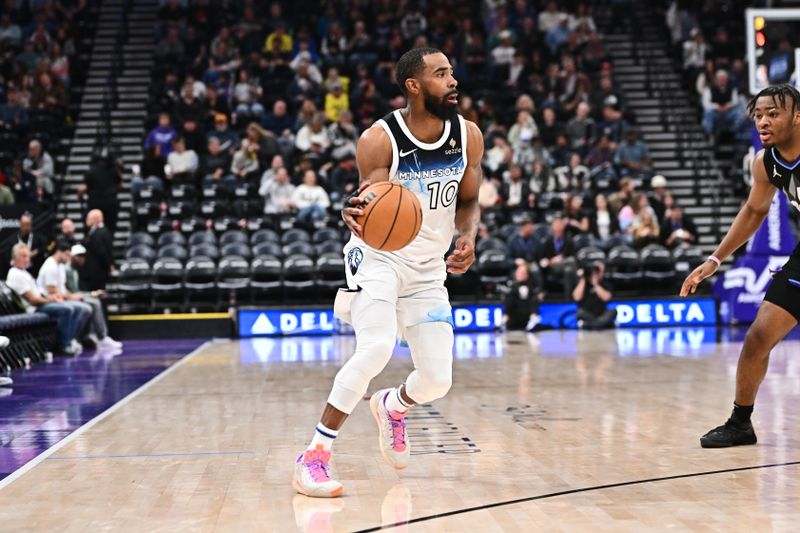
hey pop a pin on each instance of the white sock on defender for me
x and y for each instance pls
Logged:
(395, 402)
(324, 436)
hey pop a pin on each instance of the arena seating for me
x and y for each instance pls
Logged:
(31, 334)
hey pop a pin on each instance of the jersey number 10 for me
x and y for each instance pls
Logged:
(443, 195)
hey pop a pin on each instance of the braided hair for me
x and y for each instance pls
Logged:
(778, 93)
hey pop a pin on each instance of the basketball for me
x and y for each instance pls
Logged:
(392, 216)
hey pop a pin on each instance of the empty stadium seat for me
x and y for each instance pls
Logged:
(687, 259)
(141, 251)
(176, 251)
(233, 279)
(133, 283)
(295, 235)
(206, 250)
(200, 281)
(326, 234)
(167, 283)
(171, 237)
(586, 256)
(298, 275)
(183, 191)
(658, 266)
(141, 237)
(233, 236)
(202, 237)
(159, 225)
(181, 208)
(489, 244)
(213, 208)
(192, 224)
(493, 269)
(330, 272)
(329, 247)
(266, 276)
(236, 248)
(624, 268)
(264, 235)
(225, 223)
(303, 248)
(268, 248)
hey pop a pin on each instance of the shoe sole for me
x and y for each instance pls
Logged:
(331, 494)
(373, 406)
(707, 443)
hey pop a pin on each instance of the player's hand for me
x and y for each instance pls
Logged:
(700, 273)
(351, 208)
(462, 257)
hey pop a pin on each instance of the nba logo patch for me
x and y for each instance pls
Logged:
(354, 258)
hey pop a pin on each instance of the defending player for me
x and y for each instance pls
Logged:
(776, 111)
(430, 149)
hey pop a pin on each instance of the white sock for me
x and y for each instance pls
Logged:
(395, 402)
(324, 436)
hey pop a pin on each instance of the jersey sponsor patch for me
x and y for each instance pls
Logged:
(354, 258)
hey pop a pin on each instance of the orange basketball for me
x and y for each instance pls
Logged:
(392, 216)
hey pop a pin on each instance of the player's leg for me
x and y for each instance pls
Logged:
(431, 346)
(772, 324)
(375, 324)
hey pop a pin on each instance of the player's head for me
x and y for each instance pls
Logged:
(425, 75)
(776, 113)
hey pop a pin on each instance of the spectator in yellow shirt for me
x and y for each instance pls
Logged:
(284, 41)
(336, 101)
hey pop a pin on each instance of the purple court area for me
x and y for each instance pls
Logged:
(50, 401)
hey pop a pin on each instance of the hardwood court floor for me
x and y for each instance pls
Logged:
(558, 431)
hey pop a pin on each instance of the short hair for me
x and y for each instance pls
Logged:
(17, 248)
(62, 245)
(778, 93)
(411, 63)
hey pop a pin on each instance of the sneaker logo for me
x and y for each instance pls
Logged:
(354, 258)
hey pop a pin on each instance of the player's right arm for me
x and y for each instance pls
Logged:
(374, 158)
(745, 224)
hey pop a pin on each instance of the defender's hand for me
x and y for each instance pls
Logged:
(700, 273)
(462, 257)
(351, 210)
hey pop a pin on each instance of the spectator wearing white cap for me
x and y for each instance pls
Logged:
(658, 184)
(98, 328)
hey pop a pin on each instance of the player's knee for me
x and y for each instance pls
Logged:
(757, 341)
(376, 347)
(431, 387)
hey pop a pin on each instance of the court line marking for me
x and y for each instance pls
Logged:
(13, 476)
(136, 456)
(573, 491)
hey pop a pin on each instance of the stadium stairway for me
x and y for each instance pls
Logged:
(670, 125)
(113, 104)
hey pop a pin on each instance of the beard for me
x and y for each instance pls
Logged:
(439, 106)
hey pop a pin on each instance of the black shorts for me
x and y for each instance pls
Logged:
(784, 291)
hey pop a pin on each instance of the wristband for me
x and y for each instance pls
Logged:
(715, 259)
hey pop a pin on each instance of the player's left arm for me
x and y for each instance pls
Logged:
(468, 212)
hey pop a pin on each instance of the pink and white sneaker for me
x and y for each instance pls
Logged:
(312, 475)
(392, 437)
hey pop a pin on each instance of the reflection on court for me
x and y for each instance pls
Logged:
(557, 430)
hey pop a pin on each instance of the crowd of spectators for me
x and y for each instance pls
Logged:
(271, 98)
(37, 54)
(708, 42)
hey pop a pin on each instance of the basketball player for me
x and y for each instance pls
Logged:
(431, 150)
(776, 111)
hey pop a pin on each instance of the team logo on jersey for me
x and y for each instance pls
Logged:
(354, 258)
(453, 149)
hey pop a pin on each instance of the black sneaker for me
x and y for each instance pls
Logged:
(732, 433)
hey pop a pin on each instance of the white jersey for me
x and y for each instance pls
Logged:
(433, 172)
